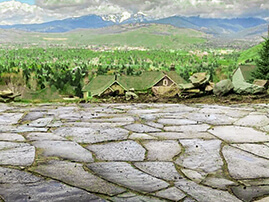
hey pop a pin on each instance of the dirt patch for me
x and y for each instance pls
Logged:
(208, 99)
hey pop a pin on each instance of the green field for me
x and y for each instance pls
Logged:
(151, 36)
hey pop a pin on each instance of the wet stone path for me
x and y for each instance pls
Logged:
(134, 152)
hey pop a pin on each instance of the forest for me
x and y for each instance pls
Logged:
(67, 69)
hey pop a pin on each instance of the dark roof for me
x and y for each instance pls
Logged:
(175, 77)
(99, 84)
(142, 82)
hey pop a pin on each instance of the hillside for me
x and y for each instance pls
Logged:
(148, 36)
(249, 56)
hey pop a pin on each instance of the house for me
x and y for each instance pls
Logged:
(157, 81)
(103, 85)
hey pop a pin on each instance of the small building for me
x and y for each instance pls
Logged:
(157, 81)
(103, 85)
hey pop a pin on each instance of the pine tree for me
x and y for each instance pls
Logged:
(262, 63)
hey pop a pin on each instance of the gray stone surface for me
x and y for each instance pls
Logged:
(155, 125)
(43, 137)
(141, 136)
(218, 183)
(10, 118)
(172, 194)
(20, 154)
(189, 129)
(212, 119)
(124, 174)
(243, 165)
(248, 193)
(204, 194)
(162, 150)
(261, 150)
(134, 152)
(11, 137)
(196, 176)
(239, 134)
(89, 135)
(75, 175)
(265, 199)
(183, 135)
(64, 149)
(27, 129)
(177, 122)
(201, 155)
(141, 128)
(163, 170)
(119, 151)
(33, 115)
(131, 197)
(125, 119)
(253, 120)
(20, 186)
(41, 123)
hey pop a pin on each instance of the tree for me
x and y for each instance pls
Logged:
(262, 63)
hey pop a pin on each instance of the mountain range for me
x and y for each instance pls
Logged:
(218, 27)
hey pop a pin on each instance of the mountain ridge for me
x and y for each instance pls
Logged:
(213, 26)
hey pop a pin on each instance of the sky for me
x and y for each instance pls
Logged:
(31, 2)
(37, 11)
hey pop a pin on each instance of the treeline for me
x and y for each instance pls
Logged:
(66, 69)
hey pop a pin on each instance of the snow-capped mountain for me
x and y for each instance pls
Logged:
(117, 18)
(126, 17)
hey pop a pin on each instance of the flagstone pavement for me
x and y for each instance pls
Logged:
(134, 152)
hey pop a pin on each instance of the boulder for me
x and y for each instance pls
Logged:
(165, 91)
(223, 87)
(7, 96)
(130, 95)
(199, 79)
(209, 88)
(186, 86)
(262, 83)
(6, 93)
(247, 88)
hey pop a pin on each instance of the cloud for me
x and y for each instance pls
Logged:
(158, 8)
(46, 10)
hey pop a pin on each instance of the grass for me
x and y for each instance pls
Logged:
(153, 36)
(249, 56)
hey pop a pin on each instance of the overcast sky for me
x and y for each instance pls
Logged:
(44, 10)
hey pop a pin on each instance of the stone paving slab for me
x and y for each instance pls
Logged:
(201, 155)
(124, 174)
(134, 152)
(243, 165)
(64, 149)
(75, 175)
(19, 154)
(164, 150)
(17, 186)
(119, 151)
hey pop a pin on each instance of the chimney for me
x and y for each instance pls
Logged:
(173, 68)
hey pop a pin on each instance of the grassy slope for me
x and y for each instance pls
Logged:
(150, 36)
(249, 55)
(154, 36)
